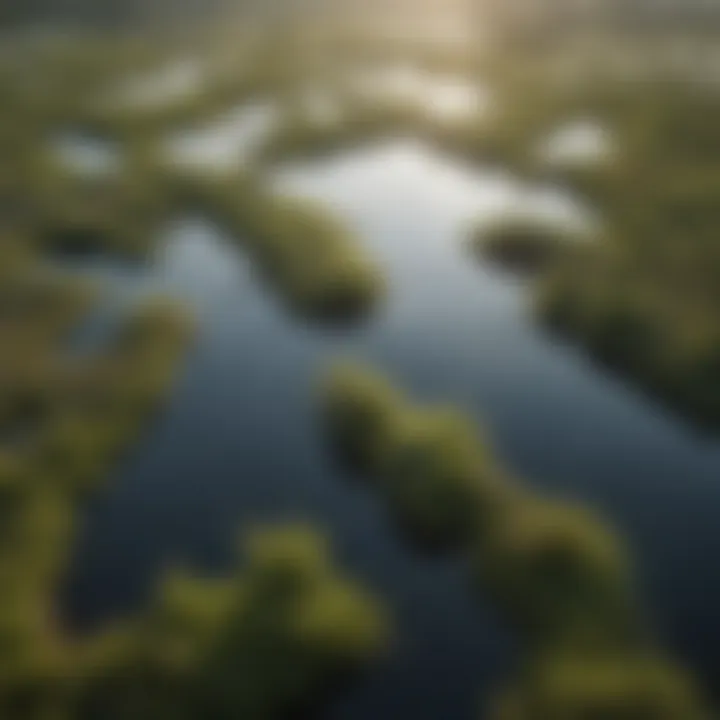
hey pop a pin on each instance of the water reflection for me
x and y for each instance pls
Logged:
(226, 141)
(237, 444)
(86, 154)
(580, 142)
(443, 97)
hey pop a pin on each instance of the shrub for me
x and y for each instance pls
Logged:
(558, 574)
(525, 244)
(303, 250)
(440, 480)
(269, 641)
(360, 409)
(438, 477)
(621, 688)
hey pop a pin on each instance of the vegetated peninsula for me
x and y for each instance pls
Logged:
(303, 250)
(278, 636)
(643, 298)
(558, 576)
(287, 628)
(284, 631)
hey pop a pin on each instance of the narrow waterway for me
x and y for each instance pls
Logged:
(238, 445)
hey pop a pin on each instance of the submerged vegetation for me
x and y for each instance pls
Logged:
(557, 574)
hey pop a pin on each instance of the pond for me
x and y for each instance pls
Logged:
(87, 155)
(577, 143)
(444, 97)
(238, 444)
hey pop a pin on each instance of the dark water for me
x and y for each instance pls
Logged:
(238, 444)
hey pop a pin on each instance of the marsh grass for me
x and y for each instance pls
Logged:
(643, 300)
(276, 636)
(615, 687)
(525, 244)
(51, 448)
(118, 215)
(436, 475)
(358, 123)
(272, 638)
(301, 249)
(559, 575)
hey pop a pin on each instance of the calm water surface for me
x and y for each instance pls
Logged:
(238, 443)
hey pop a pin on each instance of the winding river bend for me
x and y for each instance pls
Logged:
(238, 445)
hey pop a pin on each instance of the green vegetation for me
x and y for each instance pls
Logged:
(101, 402)
(359, 122)
(63, 421)
(556, 573)
(274, 638)
(525, 244)
(436, 474)
(305, 252)
(302, 250)
(119, 215)
(643, 299)
(573, 688)
(286, 629)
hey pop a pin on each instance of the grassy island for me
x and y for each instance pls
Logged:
(525, 245)
(434, 470)
(287, 629)
(572, 688)
(117, 215)
(644, 299)
(278, 637)
(62, 424)
(302, 249)
(557, 574)
(282, 632)
(273, 639)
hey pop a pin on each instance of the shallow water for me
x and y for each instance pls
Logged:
(443, 97)
(237, 444)
(86, 155)
(580, 142)
(226, 141)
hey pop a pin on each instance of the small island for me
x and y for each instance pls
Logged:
(558, 575)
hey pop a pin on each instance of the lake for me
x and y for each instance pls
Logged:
(238, 444)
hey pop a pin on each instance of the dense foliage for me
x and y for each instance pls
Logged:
(303, 250)
(285, 630)
(644, 299)
(557, 574)
(273, 639)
